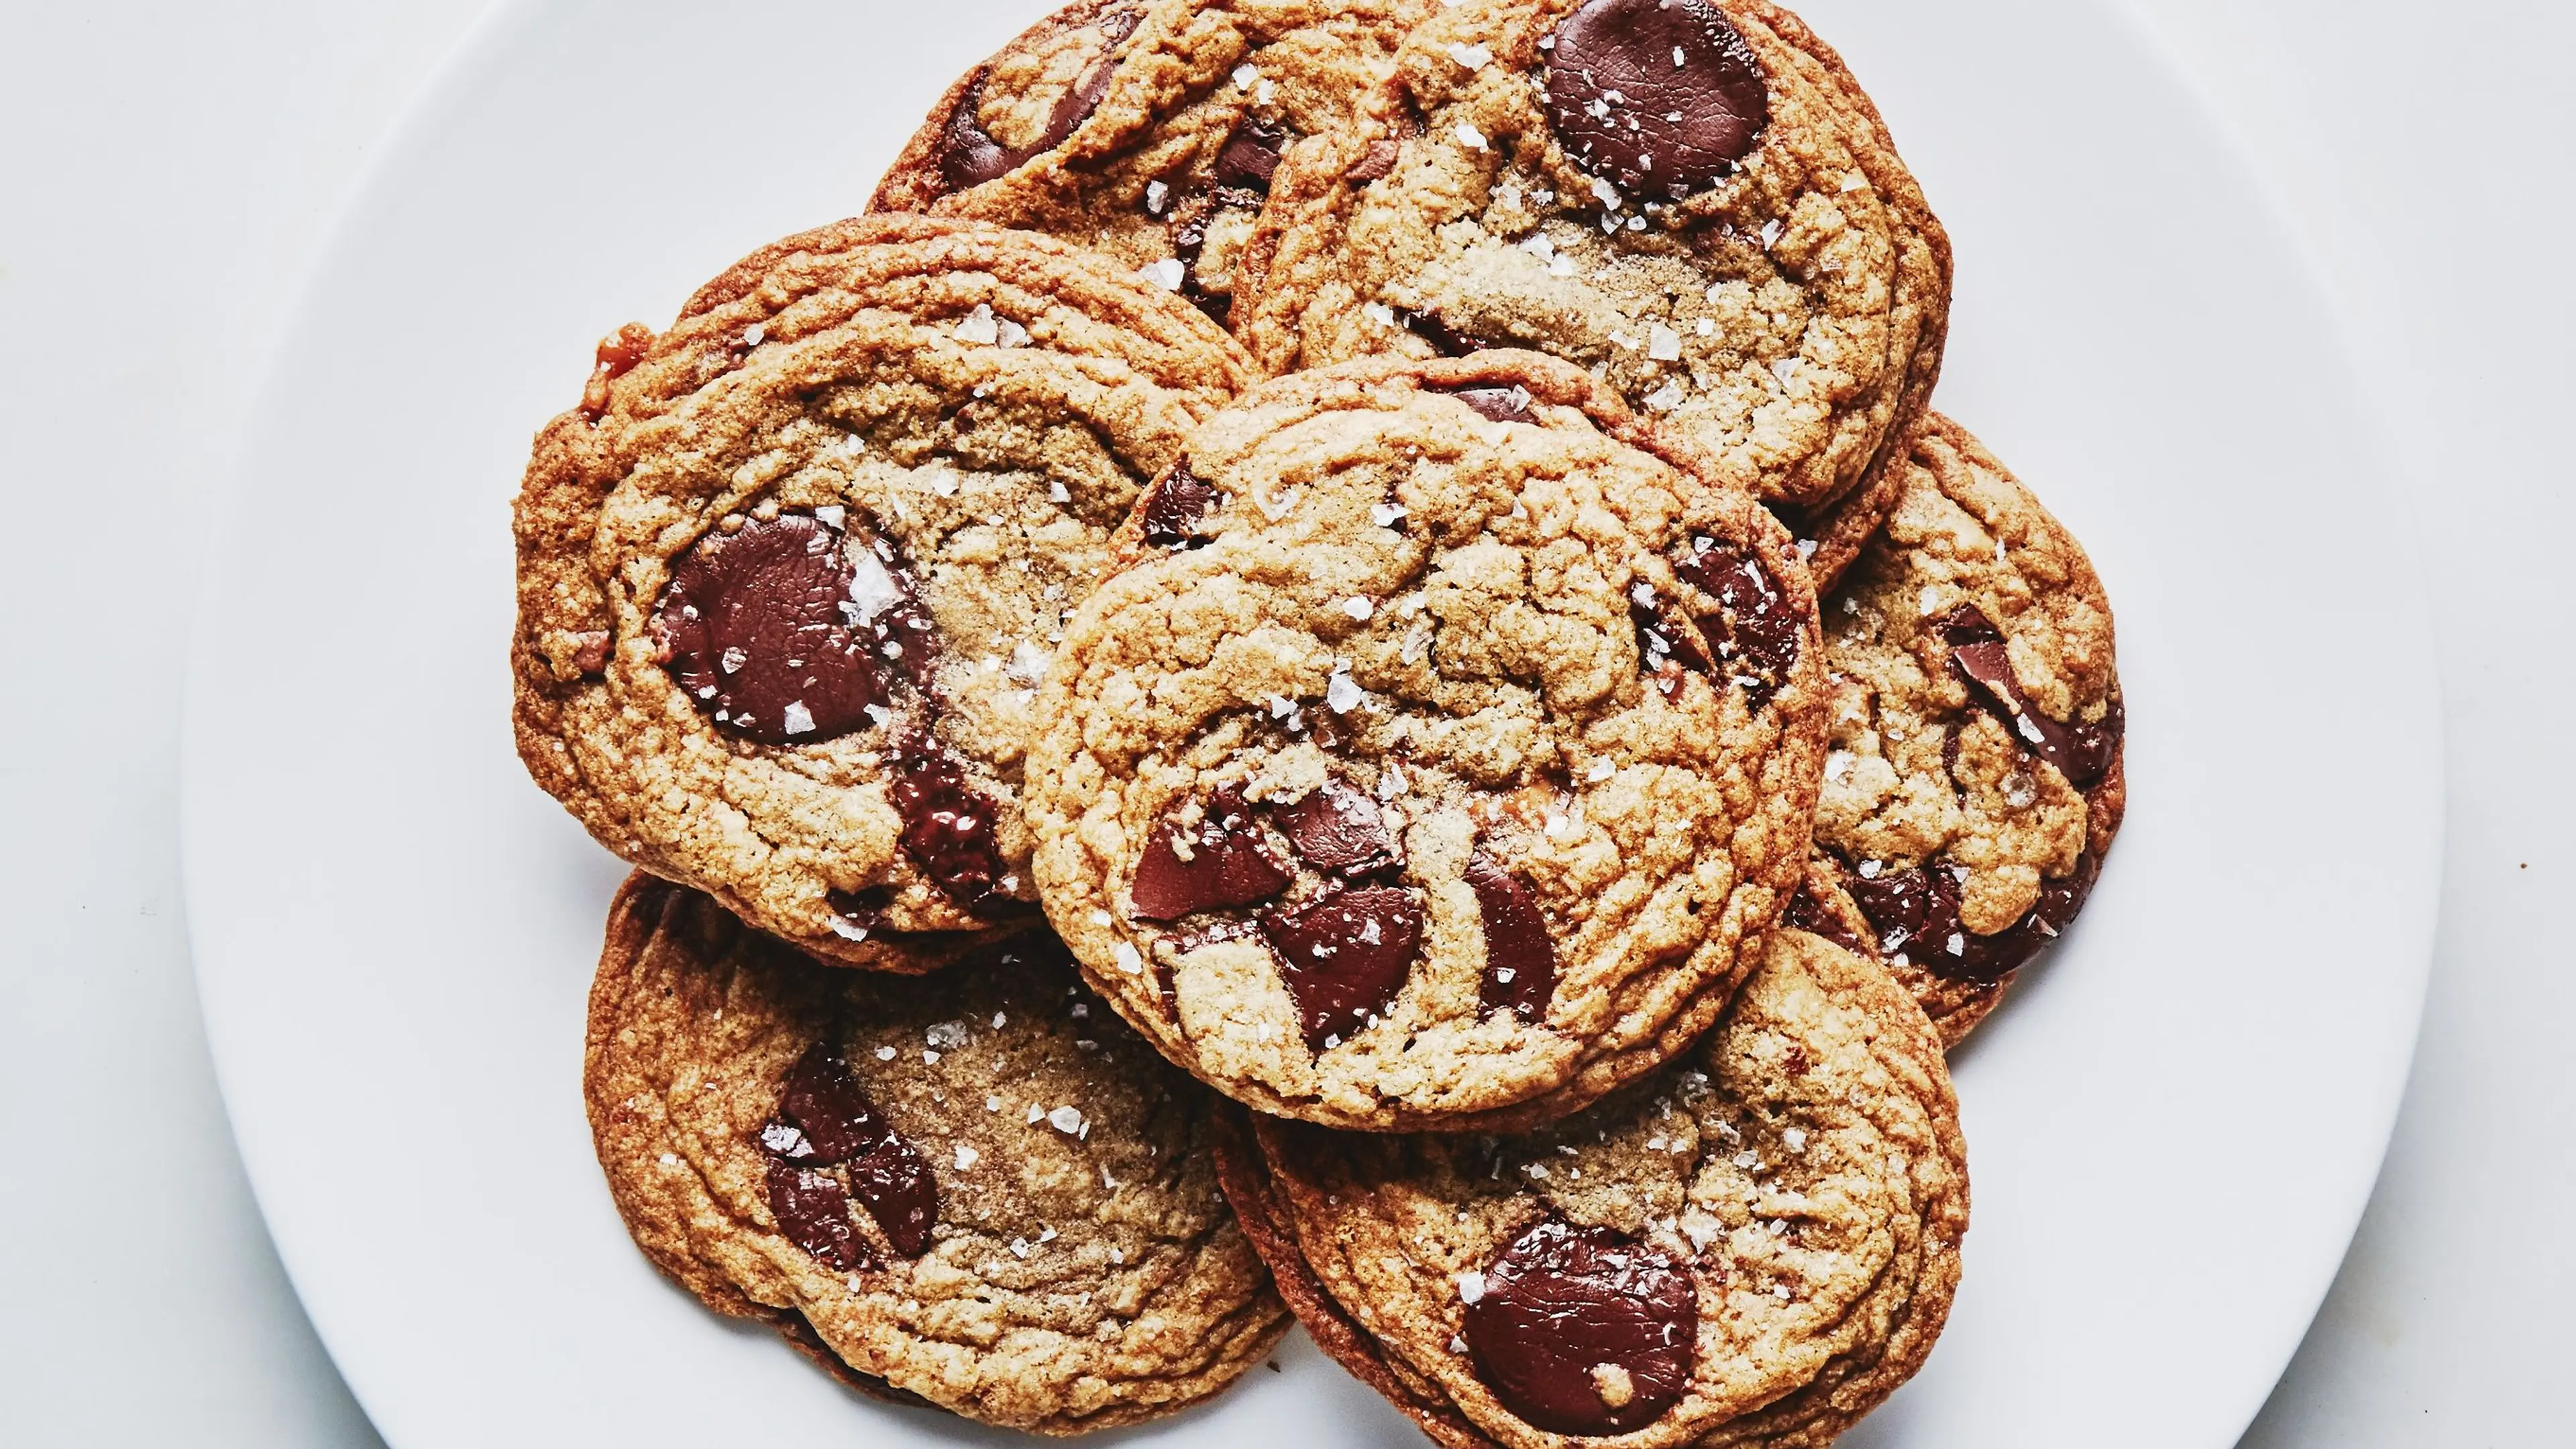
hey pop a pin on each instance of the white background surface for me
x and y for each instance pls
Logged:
(164, 177)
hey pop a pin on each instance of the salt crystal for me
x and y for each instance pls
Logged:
(1012, 334)
(1385, 515)
(1470, 137)
(1128, 960)
(1359, 609)
(832, 515)
(1473, 57)
(1663, 344)
(1601, 770)
(966, 1156)
(1342, 694)
(1245, 74)
(885, 1054)
(992, 1104)
(979, 326)
(1156, 193)
(1166, 274)
(797, 719)
(1471, 1287)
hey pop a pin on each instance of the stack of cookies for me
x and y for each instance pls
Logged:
(1333, 667)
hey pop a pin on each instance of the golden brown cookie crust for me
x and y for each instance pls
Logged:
(1844, 1181)
(1145, 177)
(1819, 272)
(1078, 1279)
(1921, 771)
(1472, 662)
(985, 405)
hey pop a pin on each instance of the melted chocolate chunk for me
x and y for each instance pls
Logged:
(1659, 97)
(1584, 1330)
(1340, 830)
(860, 912)
(1754, 632)
(1520, 955)
(1916, 915)
(827, 1105)
(1983, 662)
(1229, 864)
(813, 1210)
(1808, 914)
(947, 822)
(825, 1119)
(1345, 957)
(1175, 506)
(895, 1183)
(1251, 154)
(1499, 404)
(772, 630)
(969, 156)
(1444, 339)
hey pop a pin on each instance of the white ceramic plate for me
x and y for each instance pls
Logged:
(2173, 1125)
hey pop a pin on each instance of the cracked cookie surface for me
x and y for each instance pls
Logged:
(1692, 198)
(791, 575)
(1756, 1246)
(977, 1189)
(1977, 775)
(1148, 130)
(1441, 756)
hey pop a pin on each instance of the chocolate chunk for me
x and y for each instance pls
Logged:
(859, 912)
(1174, 507)
(1754, 633)
(969, 156)
(1500, 404)
(825, 1102)
(1659, 97)
(1251, 154)
(1808, 914)
(757, 631)
(813, 1210)
(825, 1119)
(895, 1183)
(1584, 1330)
(1983, 662)
(1229, 864)
(947, 822)
(1338, 829)
(1520, 954)
(1444, 339)
(1916, 915)
(1344, 957)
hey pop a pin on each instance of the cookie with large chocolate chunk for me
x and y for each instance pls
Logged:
(976, 1190)
(1148, 130)
(1756, 1246)
(1976, 777)
(791, 576)
(1446, 767)
(1692, 198)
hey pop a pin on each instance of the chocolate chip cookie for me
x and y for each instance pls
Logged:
(977, 1189)
(790, 577)
(1756, 1246)
(1975, 780)
(1691, 198)
(1446, 756)
(1149, 129)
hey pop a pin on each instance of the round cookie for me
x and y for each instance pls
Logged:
(975, 1190)
(1756, 1247)
(1444, 758)
(1976, 778)
(790, 577)
(1148, 130)
(1691, 198)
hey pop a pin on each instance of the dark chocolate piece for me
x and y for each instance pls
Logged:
(1520, 954)
(1345, 957)
(1661, 98)
(1340, 830)
(1983, 662)
(813, 1210)
(1754, 633)
(1498, 403)
(947, 823)
(1583, 1330)
(773, 630)
(1175, 505)
(969, 156)
(1229, 864)
(1916, 915)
